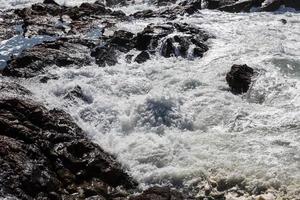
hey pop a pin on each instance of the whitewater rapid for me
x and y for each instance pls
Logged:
(211, 132)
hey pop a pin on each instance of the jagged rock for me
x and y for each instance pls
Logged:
(242, 6)
(214, 4)
(144, 14)
(239, 78)
(50, 2)
(276, 4)
(45, 155)
(123, 40)
(87, 9)
(159, 193)
(116, 2)
(142, 57)
(105, 55)
(34, 61)
(177, 45)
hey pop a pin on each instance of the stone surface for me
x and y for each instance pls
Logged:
(239, 78)
(45, 155)
(35, 61)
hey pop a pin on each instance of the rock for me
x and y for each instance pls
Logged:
(77, 93)
(276, 4)
(284, 21)
(272, 5)
(45, 155)
(50, 2)
(144, 14)
(105, 55)
(159, 193)
(241, 6)
(239, 78)
(123, 40)
(35, 60)
(176, 45)
(112, 3)
(142, 57)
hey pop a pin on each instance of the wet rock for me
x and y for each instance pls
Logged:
(142, 57)
(159, 193)
(77, 93)
(284, 21)
(87, 9)
(241, 6)
(45, 155)
(193, 40)
(105, 55)
(50, 2)
(239, 78)
(111, 3)
(35, 60)
(144, 14)
(123, 40)
(276, 4)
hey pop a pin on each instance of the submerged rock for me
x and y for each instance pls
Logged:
(45, 155)
(239, 78)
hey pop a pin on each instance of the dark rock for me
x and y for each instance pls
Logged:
(239, 78)
(45, 155)
(214, 4)
(35, 60)
(242, 6)
(284, 21)
(112, 3)
(142, 57)
(159, 193)
(123, 40)
(105, 55)
(276, 4)
(176, 45)
(167, 48)
(292, 4)
(50, 2)
(144, 14)
(46, 78)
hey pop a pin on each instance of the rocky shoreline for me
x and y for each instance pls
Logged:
(44, 153)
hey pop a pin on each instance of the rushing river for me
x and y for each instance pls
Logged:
(210, 132)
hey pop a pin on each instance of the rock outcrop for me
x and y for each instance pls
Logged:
(45, 155)
(239, 78)
(34, 61)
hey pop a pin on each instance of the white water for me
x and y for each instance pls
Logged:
(212, 132)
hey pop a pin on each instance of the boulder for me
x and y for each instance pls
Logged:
(142, 57)
(105, 55)
(45, 155)
(239, 78)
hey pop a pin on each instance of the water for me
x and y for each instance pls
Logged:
(173, 121)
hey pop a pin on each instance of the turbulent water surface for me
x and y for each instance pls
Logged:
(172, 120)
